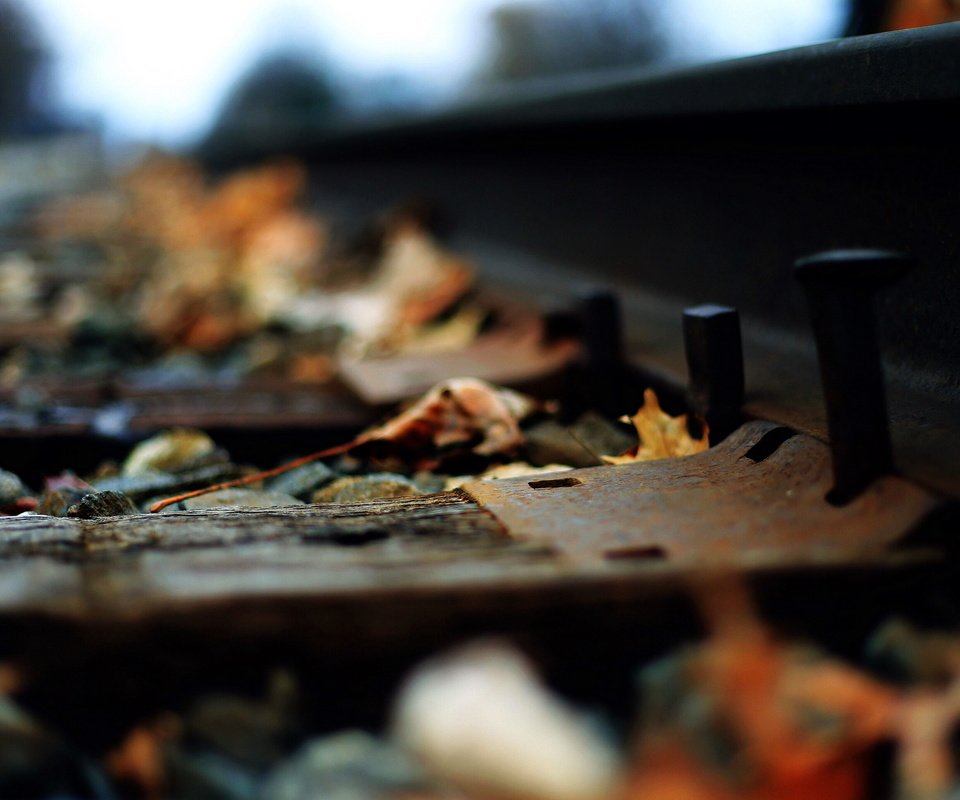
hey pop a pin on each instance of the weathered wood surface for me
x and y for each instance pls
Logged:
(449, 516)
(122, 565)
(115, 619)
(612, 529)
(392, 557)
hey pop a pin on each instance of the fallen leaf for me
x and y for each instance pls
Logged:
(458, 415)
(465, 412)
(745, 715)
(311, 368)
(414, 284)
(139, 759)
(455, 333)
(661, 436)
(515, 469)
(11, 679)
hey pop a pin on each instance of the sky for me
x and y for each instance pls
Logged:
(157, 69)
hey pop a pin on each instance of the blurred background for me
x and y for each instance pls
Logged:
(173, 73)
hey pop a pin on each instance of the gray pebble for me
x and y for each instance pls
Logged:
(11, 488)
(207, 776)
(103, 504)
(430, 482)
(346, 766)
(164, 484)
(174, 450)
(252, 732)
(34, 764)
(355, 489)
(303, 481)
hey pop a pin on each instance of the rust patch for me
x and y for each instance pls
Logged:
(724, 506)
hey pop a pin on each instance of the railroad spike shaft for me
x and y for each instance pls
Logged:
(714, 351)
(840, 286)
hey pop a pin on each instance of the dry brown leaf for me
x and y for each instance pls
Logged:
(455, 333)
(311, 368)
(245, 200)
(661, 436)
(802, 722)
(416, 281)
(461, 411)
(457, 416)
(11, 679)
(139, 757)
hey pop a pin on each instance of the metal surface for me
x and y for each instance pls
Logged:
(718, 507)
(603, 351)
(714, 350)
(840, 286)
(889, 68)
(704, 186)
(514, 351)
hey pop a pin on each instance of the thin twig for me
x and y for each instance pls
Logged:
(248, 479)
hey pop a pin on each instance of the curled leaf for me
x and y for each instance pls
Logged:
(464, 414)
(661, 436)
(460, 412)
(746, 715)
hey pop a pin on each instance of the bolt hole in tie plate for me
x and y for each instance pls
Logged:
(769, 443)
(757, 497)
(555, 483)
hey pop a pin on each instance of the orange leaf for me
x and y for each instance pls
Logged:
(661, 436)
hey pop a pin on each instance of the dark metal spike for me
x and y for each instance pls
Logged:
(840, 285)
(711, 339)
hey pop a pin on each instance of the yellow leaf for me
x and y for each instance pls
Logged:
(661, 436)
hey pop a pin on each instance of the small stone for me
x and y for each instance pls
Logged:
(11, 488)
(242, 498)
(103, 504)
(906, 654)
(174, 450)
(346, 766)
(481, 719)
(356, 488)
(429, 482)
(254, 732)
(34, 764)
(208, 776)
(163, 484)
(303, 481)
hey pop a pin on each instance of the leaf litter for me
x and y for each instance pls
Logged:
(741, 713)
(461, 422)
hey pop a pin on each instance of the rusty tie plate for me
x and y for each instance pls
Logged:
(757, 496)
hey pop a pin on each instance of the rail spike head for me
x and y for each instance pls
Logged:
(854, 268)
